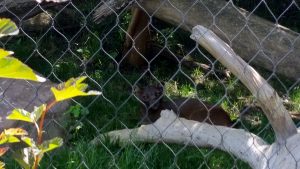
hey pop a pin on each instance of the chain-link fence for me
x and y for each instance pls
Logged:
(140, 56)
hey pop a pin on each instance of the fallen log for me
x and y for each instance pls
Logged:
(244, 145)
(171, 129)
(258, 41)
(267, 97)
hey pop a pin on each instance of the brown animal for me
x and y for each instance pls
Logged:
(191, 109)
(137, 37)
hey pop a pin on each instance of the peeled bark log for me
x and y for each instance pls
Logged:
(248, 147)
(171, 129)
(256, 40)
(267, 97)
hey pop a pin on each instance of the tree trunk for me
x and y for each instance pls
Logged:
(256, 40)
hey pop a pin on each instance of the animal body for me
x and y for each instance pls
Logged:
(189, 108)
(137, 37)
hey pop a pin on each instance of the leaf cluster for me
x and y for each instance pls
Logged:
(11, 67)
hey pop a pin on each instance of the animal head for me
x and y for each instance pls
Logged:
(150, 95)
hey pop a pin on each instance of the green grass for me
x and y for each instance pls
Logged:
(154, 156)
(295, 96)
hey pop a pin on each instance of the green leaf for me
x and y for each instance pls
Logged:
(29, 141)
(12, 139)
(37, 112)
(23, 115)
(3, 138)
(8, 27)
(8, 138)
(51, 144)
(4, 53)
(20, 114)
(8, 135)
(72, 88)
(2, 165)
(15, 132)
(13, 68)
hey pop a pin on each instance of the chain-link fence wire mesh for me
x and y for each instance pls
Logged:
(61, 41)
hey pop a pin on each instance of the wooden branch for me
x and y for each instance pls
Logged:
(265, 45)
(283, 156)
(171, 129)
(248, 147)
(267, 97)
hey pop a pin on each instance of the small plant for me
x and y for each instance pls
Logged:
(10, 67)
(35, 150)
(77, 111)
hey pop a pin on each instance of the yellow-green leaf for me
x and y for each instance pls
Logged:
(2, 165)
(15, 132)
(13, 68)
(8, 27)
(12, 139)
(8, 138)
(37, 112)
(3, 150)
(72, 88)
(29, 141)
(20, 114)
(51, 144)
(3, 138)
(23, 115)
(4, 53)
